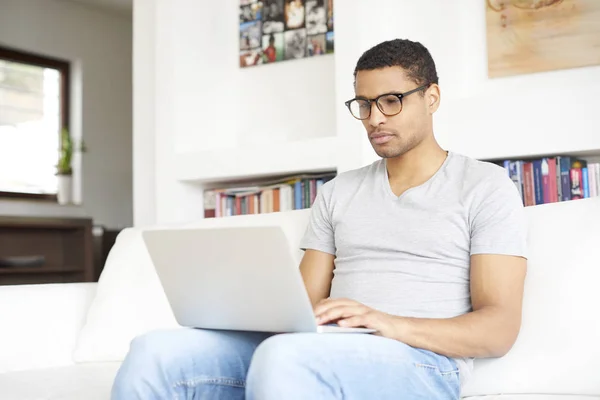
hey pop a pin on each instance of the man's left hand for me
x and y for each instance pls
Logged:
(352, 314)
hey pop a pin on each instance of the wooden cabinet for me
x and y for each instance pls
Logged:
(45, 250)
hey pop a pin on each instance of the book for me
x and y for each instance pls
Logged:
(537, 181)
(592, 180)
(565, 174)
(553, 179)
(276, 195)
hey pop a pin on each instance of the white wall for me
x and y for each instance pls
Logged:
(99, 44)
(203, 100)
(144, 78)
(218, 105)
(196, 61)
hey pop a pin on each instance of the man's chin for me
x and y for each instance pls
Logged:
(382, 152)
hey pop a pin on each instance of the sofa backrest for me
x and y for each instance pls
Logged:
(558, 348)
(130, 300)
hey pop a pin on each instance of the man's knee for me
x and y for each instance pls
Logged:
(277, 353)
(149, 356)
(282, 364)
(153, 347)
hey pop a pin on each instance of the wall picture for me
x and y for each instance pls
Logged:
(273, 47)
(277, 30)
(527, 36)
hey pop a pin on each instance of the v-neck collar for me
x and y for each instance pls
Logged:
(388, 187)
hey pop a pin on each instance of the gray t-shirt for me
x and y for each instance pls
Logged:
(410, 255)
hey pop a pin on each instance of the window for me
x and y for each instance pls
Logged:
(34, 108)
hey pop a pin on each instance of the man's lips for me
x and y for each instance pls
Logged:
(381, 137)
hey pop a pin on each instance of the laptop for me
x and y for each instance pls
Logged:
(242, 278)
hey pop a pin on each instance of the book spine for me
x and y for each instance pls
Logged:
(515, 176)
(250, 204)
(210, 204)
(287, 198)
(586, 182)
(298, 195)
(276, 204)
(537, 179)
(230, 206)
(559, 194)
(528, 184)
(313, 191)
(545, 172)
(565, 174)
(282, 204)
(305, 193)
(592, 179)
(522, 179)
(576, 189)
(553, 180)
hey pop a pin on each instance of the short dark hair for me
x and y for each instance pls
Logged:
(413, 57)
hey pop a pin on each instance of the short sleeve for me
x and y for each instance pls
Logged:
(319, 233)
(498, 222)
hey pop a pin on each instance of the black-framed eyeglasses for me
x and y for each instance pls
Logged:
(389, 104)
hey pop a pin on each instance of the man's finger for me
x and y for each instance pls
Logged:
(357, 321)
(341, 312)
(327, 304)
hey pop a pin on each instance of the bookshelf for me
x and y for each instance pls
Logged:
(554, 178)
(250, 170)
(285, 193)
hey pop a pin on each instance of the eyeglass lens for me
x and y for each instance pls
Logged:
(388, 105)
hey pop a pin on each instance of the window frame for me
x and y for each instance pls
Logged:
(64, 68)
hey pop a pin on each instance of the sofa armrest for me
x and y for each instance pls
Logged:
(39, 324)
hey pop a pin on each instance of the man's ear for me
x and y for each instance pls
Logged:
(433, 97)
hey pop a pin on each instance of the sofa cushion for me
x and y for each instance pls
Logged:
(558, 348)
(39, 324)
(130, 300)
(75, 382)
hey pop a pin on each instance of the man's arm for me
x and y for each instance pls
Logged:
(316, 268)
(491, 329)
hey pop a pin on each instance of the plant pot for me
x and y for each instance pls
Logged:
(65, 189)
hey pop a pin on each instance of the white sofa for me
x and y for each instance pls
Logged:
(66, 341)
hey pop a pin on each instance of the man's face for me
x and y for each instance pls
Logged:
(393, 136)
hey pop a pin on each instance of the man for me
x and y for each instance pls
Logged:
(425, 246)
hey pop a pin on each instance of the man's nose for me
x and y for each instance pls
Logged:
(377, 117)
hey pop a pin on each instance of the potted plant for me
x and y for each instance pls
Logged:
(64, 169)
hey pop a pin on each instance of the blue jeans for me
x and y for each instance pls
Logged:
(204, 364)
